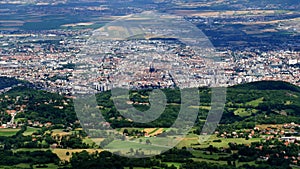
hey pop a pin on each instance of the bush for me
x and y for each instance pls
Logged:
(217, 141)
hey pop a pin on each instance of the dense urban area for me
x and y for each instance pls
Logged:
(51, 52)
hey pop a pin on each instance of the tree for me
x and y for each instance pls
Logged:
(148, 141)
(228, 162)
(125, 132)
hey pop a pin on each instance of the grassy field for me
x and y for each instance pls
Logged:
(149, 130)
(90, 141)
(188, 141)
(256, 102)
(62, 153)
(224, 141)
(243, 112)
(158, 131)
(223, 162)
(30, 131)
(177, 165)
(210, 161)
(203, 155)
(60, 132)
(31, 149)
(192, 140)
(156, 147)
(8, 132)
(201, 107)
(49, 166)
(154, 131)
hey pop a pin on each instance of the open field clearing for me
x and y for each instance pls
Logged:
(204, 143)
(8, 132)
(25, 166)
(177, 165)
(60, 133)
(201, 107)
(188, 141)
(126, 147)
(210, 161)
(90, 141)
(153, 131)
(224, 141)
(207, 155)
(149, 130)
(30, 131)
(62, 153)
(256, 102)
(222, 162)
(31, 149)
(242, 112)
(156, 145)
(156, 131)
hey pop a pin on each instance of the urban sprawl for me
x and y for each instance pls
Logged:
(50, 60)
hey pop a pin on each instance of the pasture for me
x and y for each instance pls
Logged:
(30, 130)
(130, 147)
(62, 153)
(8, 132)
(204, 143)
(256, 102)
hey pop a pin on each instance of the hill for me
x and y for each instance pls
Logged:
(10, 82)
(37, 105)
(268, 85)
(266, 102)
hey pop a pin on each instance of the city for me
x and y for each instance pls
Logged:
(228, 73)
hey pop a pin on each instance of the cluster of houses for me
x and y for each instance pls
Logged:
(288, 132)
